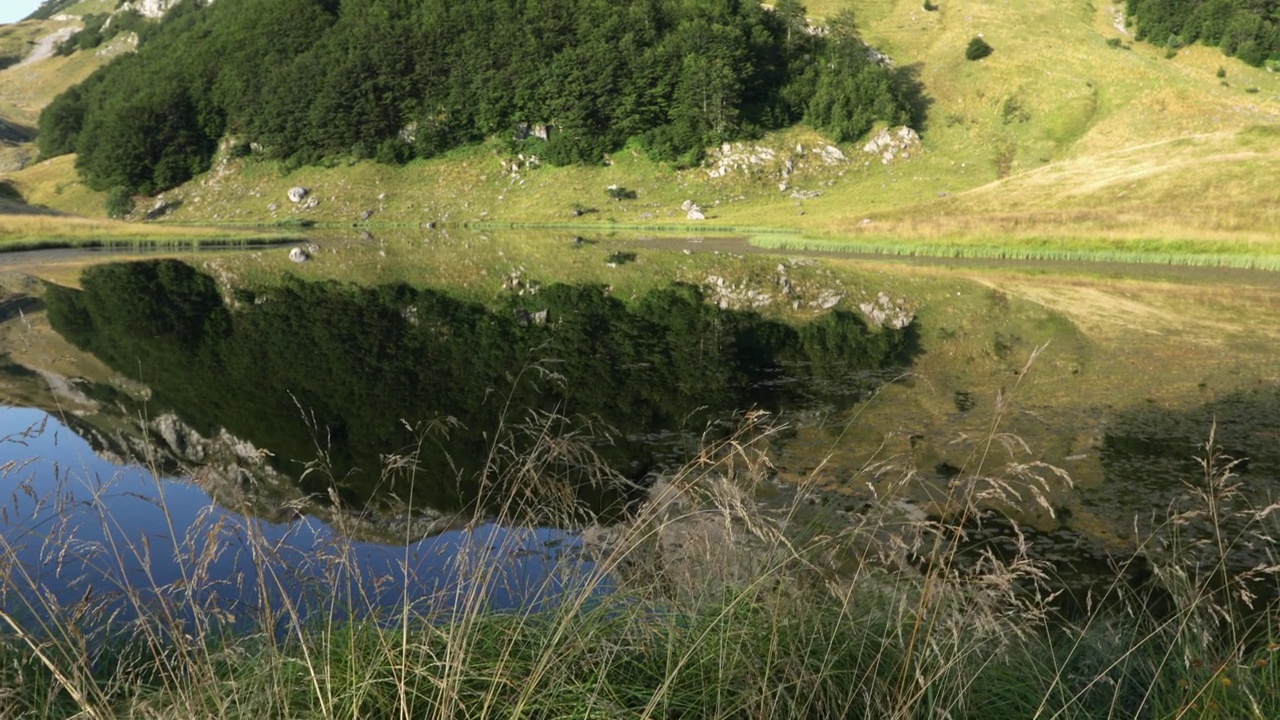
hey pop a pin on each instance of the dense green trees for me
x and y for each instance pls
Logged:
(311, 80)
(853, 91)
(1247, 29)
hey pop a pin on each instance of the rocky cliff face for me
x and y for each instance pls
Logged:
(154, 9)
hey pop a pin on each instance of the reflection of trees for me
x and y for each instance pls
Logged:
(345, 374)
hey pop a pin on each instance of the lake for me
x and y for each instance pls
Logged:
(375, 438)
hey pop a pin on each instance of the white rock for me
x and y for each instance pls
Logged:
(696, 214)
(299, 255)
(296, 194)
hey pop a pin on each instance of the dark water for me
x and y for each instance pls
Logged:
(1187, 492)
(306, 416)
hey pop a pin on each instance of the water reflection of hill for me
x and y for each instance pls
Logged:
(308, 370)
(1153, 457)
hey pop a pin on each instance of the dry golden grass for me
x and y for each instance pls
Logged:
(50, 230)
(53, 183)
(703, 604)
(26, 88)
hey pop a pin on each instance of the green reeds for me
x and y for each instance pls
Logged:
(1159, 253)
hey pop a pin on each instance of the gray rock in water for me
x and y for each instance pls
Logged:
(297, 194)
(299, 255)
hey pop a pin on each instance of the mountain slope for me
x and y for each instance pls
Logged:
(1068, 128)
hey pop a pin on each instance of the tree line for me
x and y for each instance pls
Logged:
(1246, 29)
(310, 81)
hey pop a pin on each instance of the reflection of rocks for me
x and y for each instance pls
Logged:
(884, 312)
(539, 317)
(730, 296)
(238, 476)
(517, 283)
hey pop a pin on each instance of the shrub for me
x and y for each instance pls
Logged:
(978, 49)
(1222, 72)
(119, 201)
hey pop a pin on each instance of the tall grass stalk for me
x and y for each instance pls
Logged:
(702, 603)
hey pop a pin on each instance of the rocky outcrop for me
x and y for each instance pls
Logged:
(154, 9)
(692, 211)
(298, 194)
(892, 144)
(752, 159)
(519, 164)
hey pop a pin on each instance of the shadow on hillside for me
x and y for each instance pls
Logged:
(12, 202)
(907, 78)
(15, 133)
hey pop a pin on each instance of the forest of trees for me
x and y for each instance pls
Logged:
(308, 81)
(1247, 29)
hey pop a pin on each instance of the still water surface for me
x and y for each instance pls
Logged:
(243, 395)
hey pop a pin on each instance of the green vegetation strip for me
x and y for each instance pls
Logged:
(1142, 252)
(143, 243)
(681, 229)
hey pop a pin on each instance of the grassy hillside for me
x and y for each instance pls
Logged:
(1069, 130)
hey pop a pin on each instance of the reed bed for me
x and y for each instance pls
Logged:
(1033, 249)
(701, 603)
